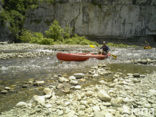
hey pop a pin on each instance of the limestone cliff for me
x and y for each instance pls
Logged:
(100, 18)
(5, 33)
(94, 18)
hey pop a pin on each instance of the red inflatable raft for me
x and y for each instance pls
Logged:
(79, 56)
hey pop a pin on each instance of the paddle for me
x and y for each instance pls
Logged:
(92, 46)
(114, 56)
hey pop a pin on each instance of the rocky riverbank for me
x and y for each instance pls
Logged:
(130, 95)
(33, 50)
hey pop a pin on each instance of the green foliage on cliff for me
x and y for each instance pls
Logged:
(54, 35)
(13, 13)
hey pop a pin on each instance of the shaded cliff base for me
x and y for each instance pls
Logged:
(135, 40)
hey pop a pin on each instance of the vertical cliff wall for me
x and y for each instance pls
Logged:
(5, 33)
(99, 18)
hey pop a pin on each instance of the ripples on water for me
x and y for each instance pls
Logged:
(39, 66)
(134, 53)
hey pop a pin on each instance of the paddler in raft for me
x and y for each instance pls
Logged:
(147, 45)
(104, 49)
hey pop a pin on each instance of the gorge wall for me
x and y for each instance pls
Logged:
(5, 33)
(98, 19)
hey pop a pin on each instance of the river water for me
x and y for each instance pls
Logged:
(14, 72)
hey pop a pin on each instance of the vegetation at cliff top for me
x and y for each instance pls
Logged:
(13, 13)
(54, 35)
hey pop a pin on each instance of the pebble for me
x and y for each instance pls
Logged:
(96, 108)
(47, 91)
(66, 90)
(62, 80)
(103, 95)
(89, 93)
(126, 109)
(77, 87)
(72, 78)
(39, 99)
(59, 86)
(152, 92)
(48, 105)
(21, 104)
(74, 82)
(79, 75)
(116, 101)
(60, 112)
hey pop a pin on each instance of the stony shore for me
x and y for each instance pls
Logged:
(131, 95)
(25, 50)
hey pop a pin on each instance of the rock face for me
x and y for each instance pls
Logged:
(4, 30)
(100, 18)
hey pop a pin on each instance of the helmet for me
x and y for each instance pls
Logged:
(104, 42)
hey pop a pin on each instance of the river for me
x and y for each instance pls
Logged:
(40, 63)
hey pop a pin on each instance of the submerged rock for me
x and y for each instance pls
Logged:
(25, 86)
(102, 65)
(4, 92)
(136, 75)
(39, 83)
(7, 88)
(21, 104)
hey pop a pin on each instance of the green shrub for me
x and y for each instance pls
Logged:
(55, 31)
(67, 32)
(26, 36)
(36, 37)
(79, 40)
(46, 41)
